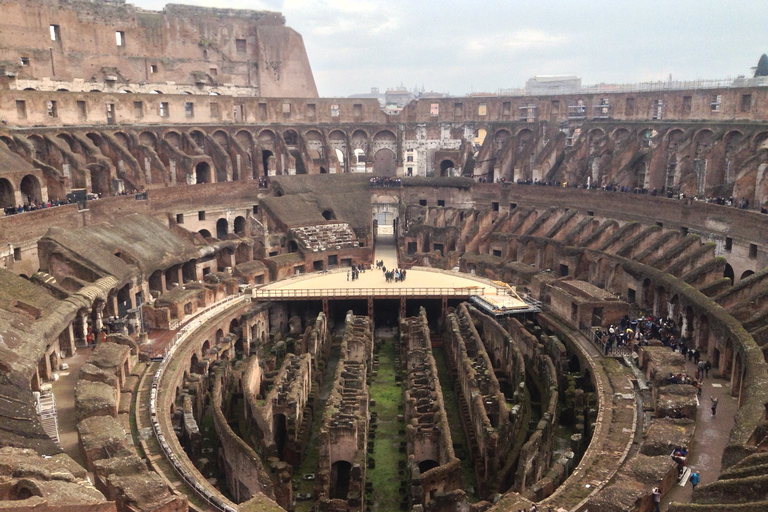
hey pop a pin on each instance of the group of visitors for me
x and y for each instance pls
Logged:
(263, 183)
(32, 206)
(383, 182)
(354, 271)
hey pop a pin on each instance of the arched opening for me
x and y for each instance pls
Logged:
(688, 330)
(30, 189)
(293, 246)
(280, 432)
(7, 197)
(446, 167)
(233, 325)
(123, 300)
(206, 347)
(222, 229)
(291, 138)
(193, 363)
(329, 215)
(728, 272)
(427, 464)
(203, 173)
(265, 156)
(323, 170)
(156, 282)
(746, 274)
(240, 226)
(189, 271)
(219, 336)
(205, 233)
(341, 472)
(574, 365)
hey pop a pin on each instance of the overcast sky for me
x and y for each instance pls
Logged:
(460, 47)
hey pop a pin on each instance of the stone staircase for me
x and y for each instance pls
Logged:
(46, 411)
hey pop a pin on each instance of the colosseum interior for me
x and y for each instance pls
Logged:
(180, 330)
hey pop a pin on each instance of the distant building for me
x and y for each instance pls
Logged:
(399, 96)
(553, 84)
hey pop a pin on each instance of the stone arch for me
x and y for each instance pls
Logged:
(147, 139)
(222, 229)
(245, 138)
(314, 142)
(193, 361)
(360, 140)
(205, 233)
(746, 274)
(500, 139)
(205, 348)
(123, 139)
(30, 189)
(203, 173)
(446, 166)
(385, 162)
(219, 335)
(620, 136)
(7, 195)
(524, 138)
(728, 272)
(198, 138)
(69, 140)
(222, 138)
(233, 325)
(290, 137)
(240, 225)
(341, 471)
(98, 140)
(173, 138)
(759, 140)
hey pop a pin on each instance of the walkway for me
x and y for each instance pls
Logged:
(710, 437)
(64, 392)
(419, 282)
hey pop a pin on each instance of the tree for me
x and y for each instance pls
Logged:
(762, 66)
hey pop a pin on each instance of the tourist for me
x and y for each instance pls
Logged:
(707, 366)
(656, 498)
(695, 479)
(714, 405)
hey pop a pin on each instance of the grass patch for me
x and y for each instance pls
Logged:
(386, 476)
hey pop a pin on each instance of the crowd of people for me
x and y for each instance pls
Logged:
(32, 206)
(397, 275)
(384, 182)
(263, 182)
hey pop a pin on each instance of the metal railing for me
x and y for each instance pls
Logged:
(613, 351)
(367, 292)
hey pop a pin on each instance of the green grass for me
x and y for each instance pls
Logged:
(454, 423)
(385, 477)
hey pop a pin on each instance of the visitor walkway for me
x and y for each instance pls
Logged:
(710, 437)
(420, 282)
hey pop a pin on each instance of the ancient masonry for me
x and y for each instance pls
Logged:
(139, 231)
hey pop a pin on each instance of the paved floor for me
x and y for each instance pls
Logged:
(711, 435)
(419, 281)
(64, 393)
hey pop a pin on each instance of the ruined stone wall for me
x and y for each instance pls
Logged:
(111, 46)
(343, 435)
(242, 466)
(432, 464)
(487, 415)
